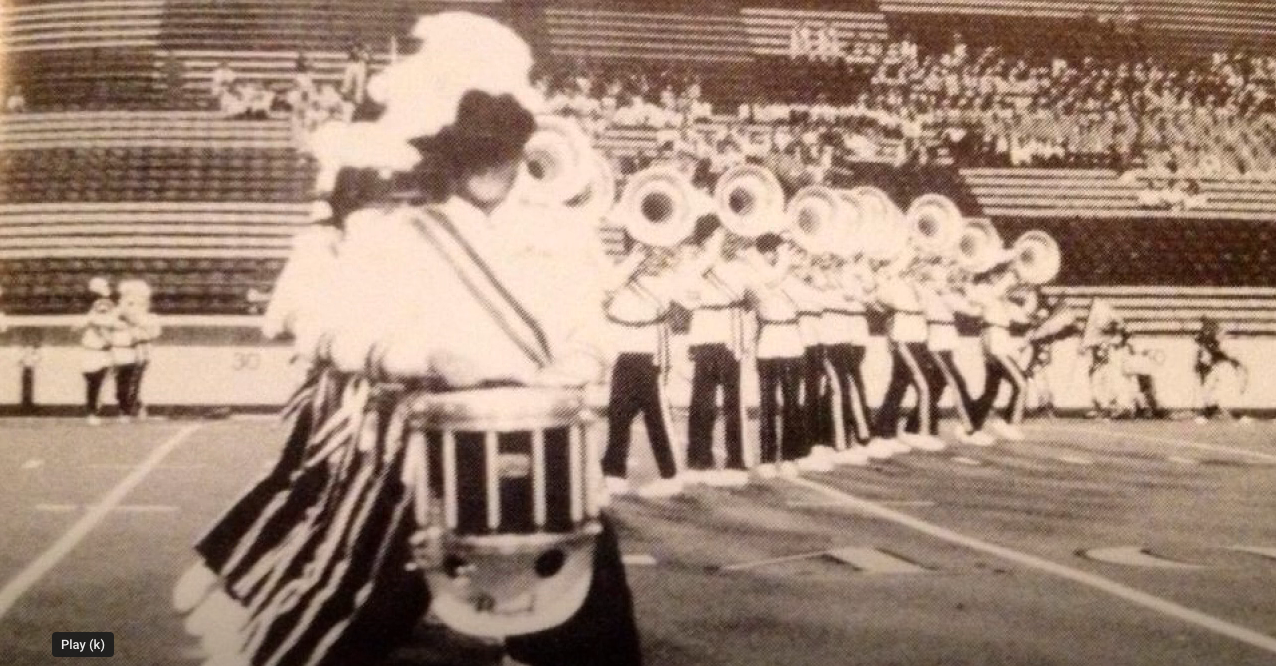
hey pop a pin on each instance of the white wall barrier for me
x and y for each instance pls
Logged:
(228, 364)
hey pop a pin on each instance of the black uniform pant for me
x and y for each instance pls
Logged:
(780, 384)
(936, 382)
(135, 388)
(28, 390)
(963, 403)
(93, 390)
(999, 368)
(817, 400)
(906, 370)
(636, 389)
(125, 375)
(714, 367)
(847, 361)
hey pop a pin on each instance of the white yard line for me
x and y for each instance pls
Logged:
(42, 565)
(1105, 585)
(1200, 446)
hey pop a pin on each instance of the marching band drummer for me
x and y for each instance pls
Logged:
(1000, 353)
(453, 296)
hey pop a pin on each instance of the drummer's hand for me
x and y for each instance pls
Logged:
(571, 372)
(455, 370)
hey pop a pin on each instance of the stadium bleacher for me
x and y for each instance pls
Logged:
(202, 207)
(150, 181)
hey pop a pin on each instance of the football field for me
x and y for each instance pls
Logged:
(1091, 543)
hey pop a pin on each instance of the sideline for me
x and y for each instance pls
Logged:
(1158, 440)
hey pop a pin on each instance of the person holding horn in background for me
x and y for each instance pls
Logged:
(449, 302)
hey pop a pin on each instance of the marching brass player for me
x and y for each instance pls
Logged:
(637, 307)
(780, 359)
(817, 390)
(906, 336)
(941, 303)
(717, 347)
(845, 334)
(1000, 353)
(436, 297)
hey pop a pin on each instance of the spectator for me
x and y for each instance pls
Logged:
(223, 78)
(28, 362)
(354, 79)
(16, 102)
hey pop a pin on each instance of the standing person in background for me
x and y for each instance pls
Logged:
(28, 362)
(354, 79)
(124, 362)
(135, 308)
(1212, 363)
(96, 360)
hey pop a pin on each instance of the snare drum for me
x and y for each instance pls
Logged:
(506, 488)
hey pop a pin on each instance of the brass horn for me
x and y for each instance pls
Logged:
(936, 224)
(750, 201)
(815, 220)
(558, 162)
(660, 206)
(883, 233)
(978, 246)
(1036, 257)
(599, 196)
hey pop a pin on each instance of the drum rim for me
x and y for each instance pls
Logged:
(499, 409)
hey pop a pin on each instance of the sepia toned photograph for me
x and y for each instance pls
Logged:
(638, 333)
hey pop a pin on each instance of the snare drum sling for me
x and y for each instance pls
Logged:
(396, 494)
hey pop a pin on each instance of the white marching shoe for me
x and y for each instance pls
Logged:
(617, 486)
(766, 471)
(976, 438)
(194, 585)
(815, 462)
(670, 487)
(788, 470)
(896, 445)
(923, 442)
(854, 455)
(1007, 431)
(878, 449)
(727, 478)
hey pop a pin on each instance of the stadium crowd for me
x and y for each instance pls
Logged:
(987, 107)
